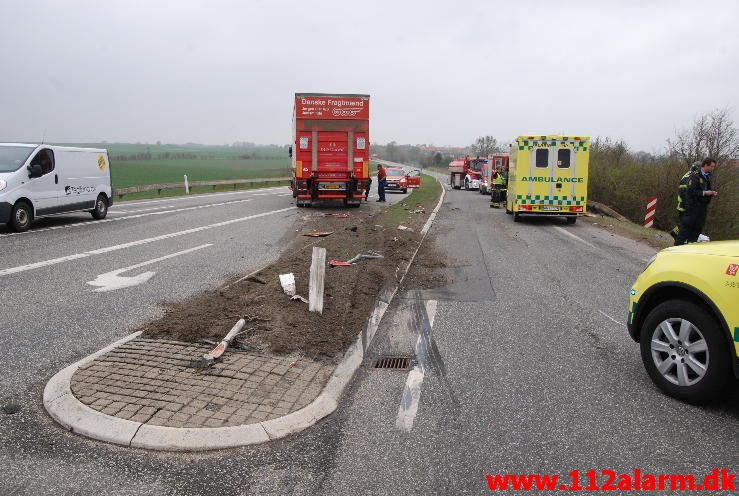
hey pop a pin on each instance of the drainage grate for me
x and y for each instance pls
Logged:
(392, 363)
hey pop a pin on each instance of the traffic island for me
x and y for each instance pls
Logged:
(283, 373)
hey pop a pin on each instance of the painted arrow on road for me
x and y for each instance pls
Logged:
(110, 281)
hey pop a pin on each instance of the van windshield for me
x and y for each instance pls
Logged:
(13, 157)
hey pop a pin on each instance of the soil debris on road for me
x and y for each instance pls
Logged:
(350, 293)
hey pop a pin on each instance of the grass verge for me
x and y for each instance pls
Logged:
(424, 197)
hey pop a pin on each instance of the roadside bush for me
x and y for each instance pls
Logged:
(624, 180)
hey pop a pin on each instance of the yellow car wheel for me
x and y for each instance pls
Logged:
(684, 351)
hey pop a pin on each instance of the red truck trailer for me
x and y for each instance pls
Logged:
(466, 172)
(330, 150)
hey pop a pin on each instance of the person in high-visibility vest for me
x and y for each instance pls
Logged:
(498, 183)
(681, 196)
(697, 197)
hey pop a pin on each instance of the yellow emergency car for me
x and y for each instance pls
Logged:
(684, 312)
(548, 175)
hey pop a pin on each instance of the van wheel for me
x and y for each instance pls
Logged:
(684, 351)
(571, 220)
(101, 208)
(21, 216)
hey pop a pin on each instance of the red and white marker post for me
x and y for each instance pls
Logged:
(651, 210)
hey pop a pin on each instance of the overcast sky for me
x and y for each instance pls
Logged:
(441, 72)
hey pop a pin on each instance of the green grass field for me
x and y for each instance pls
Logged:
(142, 164)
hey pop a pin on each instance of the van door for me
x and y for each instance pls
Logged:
(44, 189)
(79, 174)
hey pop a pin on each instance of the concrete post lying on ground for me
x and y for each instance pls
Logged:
(315, 284)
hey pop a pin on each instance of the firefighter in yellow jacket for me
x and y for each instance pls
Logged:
(681, 196)
(497, 191)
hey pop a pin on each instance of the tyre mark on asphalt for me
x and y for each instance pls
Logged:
(429, 360)
(108, 249)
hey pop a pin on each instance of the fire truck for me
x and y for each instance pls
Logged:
(330, 149)
(492, 164)
(466, 172)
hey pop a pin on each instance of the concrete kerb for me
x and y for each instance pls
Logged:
(77, 417)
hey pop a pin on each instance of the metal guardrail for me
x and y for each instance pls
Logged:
(119, 192)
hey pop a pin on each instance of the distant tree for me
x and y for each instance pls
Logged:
(711, 135)
(486, 145)
(438, 159)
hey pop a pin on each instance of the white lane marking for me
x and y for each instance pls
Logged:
(408, 408)
(110, 281)
(611, 318)
(53, 261)
(136, 216)
(193, 197)
(116, 211)
(568, 233)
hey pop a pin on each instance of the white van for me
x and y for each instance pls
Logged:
(39, 180)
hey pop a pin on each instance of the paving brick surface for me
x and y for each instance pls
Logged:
(156, 382)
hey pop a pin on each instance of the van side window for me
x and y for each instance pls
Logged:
(44, 158)
(563, 158)
(542, 158)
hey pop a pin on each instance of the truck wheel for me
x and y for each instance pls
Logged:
(571, 220)
(516, 217)
(101, 208)
(21, 216)
(684, 351)
(405, 190)
(466, 185)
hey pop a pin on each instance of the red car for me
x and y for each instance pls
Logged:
(398, 179)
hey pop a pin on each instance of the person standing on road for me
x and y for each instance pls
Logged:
(697, 197)
(381, 182)
(496, 193)
(681, 195)
(367, 189)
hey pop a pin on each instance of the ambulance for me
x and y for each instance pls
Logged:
(548, 175)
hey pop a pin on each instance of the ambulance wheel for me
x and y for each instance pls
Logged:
(684, 351)
(516, 217)
(21, 216)
(571, 220)
(508, 211)
(101, 208)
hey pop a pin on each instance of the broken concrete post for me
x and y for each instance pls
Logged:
(315, 284)
(210, 358)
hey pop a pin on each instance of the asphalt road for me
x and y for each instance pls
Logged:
(526, 364)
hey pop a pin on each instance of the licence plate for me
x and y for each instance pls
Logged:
(331, 186)
(549, 208)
